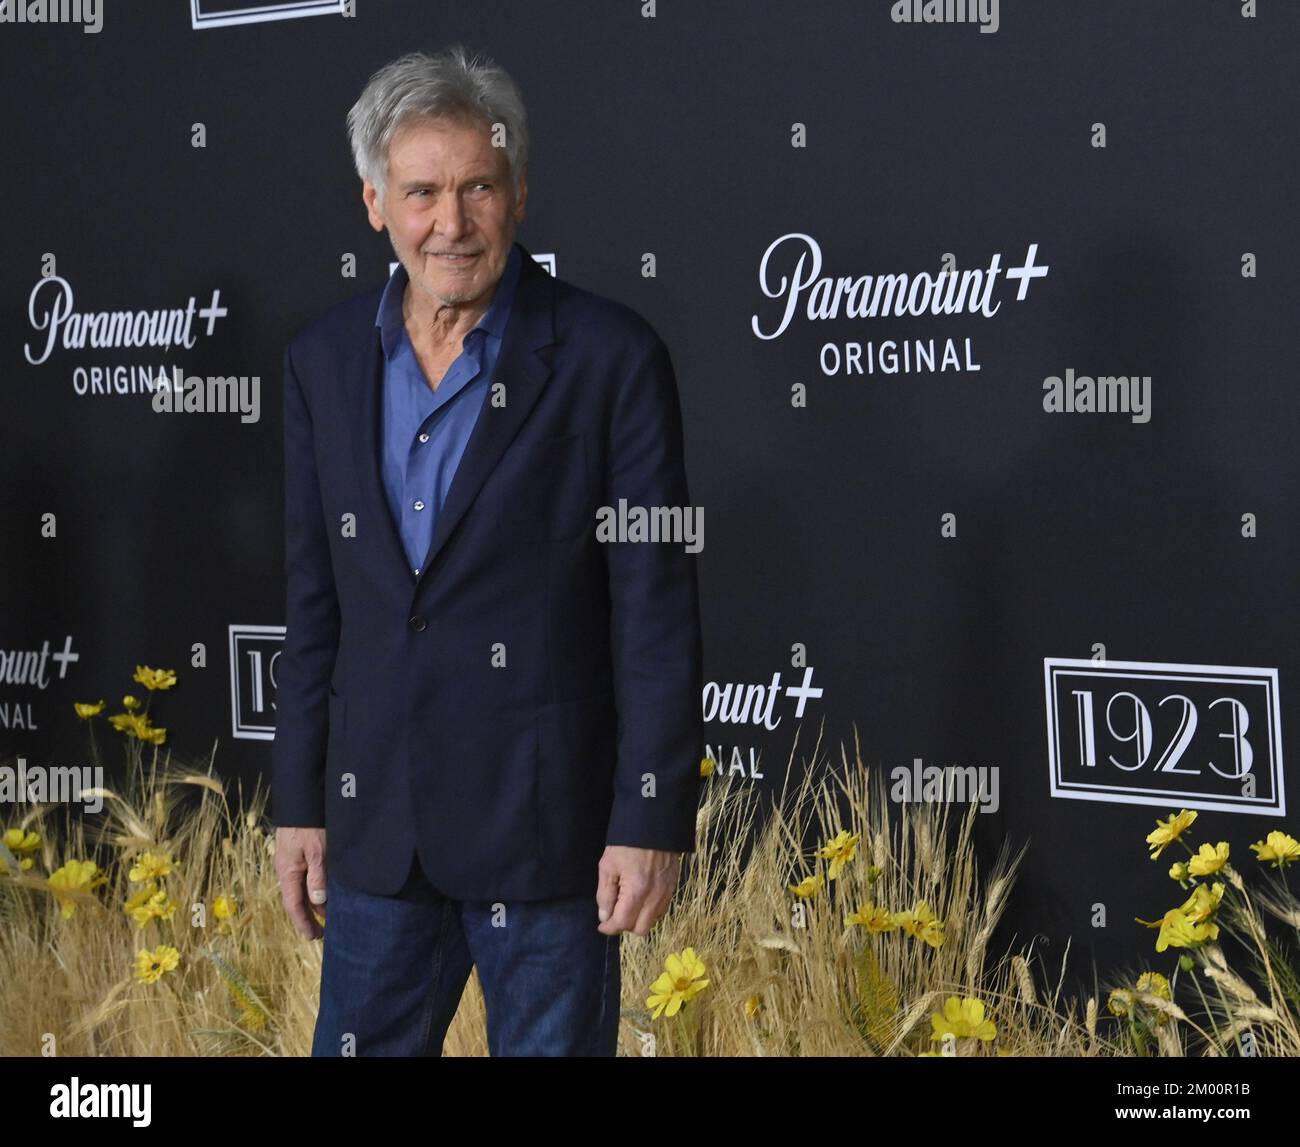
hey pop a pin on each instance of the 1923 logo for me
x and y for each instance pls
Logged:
(254, 650)
(1146, 732)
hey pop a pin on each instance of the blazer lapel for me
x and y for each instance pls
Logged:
(365, 378)
(521, 368)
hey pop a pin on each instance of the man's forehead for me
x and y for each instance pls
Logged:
(411, 151)
(423, 129)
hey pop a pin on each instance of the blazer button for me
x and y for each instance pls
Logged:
(418, 623)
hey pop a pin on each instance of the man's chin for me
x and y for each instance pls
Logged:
(449, 294)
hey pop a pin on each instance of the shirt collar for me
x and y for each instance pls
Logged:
(392, 326)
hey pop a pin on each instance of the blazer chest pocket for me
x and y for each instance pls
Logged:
(543, 492)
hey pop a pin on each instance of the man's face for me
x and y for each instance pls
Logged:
(449, 194)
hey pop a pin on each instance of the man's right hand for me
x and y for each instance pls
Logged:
(300, 870)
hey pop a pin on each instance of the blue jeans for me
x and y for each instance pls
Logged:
(395, 966)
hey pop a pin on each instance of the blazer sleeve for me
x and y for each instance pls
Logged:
(654, 622)
(306, 662)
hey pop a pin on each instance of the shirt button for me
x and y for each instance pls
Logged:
(424, 438)
(418, 623)
(419, 505)
(416, 572)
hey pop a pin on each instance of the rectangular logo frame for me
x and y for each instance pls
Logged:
(1188, 679)
(243, 725)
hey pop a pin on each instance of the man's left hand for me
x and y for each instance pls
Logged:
(634, 888)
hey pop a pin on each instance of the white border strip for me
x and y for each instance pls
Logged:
(290, 10)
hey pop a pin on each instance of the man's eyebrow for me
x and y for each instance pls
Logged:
(411, 184)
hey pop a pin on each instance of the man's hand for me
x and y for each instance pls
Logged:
(634, 888)
(300, 870)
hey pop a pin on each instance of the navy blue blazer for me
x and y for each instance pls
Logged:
(534, 694)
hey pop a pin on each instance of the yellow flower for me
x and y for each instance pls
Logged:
(707, 765)
(16, 840)
(1166, 832)
(839, 851)
(1156, 984)
(130, 702)
(1123, 1001)
(1120, 1002)
(681, 981)
(808, 886)
(139, 899)
(154, 678)
(1188, 933)
(150, 967)
(73, 879)
(21, 843)
(151, 866)
(1203, 902)
(752, 1006)
(137, 725)
(1209, 858)
(126, 722)
(224, 907)
(88, 708)
(252, 1018)
(962, 1018)
(1278, 847)
(922, 923)
(1178, 871)
(150, 903)
(1178, 930)
(872, 917)
(154, 734)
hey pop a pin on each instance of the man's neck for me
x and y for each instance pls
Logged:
(432, 322)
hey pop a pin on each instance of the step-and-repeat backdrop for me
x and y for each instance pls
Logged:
(983, 317)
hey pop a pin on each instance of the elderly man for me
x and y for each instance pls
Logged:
(493, 712)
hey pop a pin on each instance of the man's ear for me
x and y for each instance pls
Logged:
(374, 208)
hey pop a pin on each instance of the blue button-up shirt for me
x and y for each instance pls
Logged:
(425, 431)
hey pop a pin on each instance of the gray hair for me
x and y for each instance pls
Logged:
(450, 85)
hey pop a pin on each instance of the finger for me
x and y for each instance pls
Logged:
(631, 895)
(606, 891)
(316, 883)
(293, 892)
(651, 910)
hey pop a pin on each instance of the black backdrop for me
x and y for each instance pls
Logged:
(1170, 254)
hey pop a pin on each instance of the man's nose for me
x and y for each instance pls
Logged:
(450, 219)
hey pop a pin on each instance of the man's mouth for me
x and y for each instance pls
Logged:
(456, 259)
